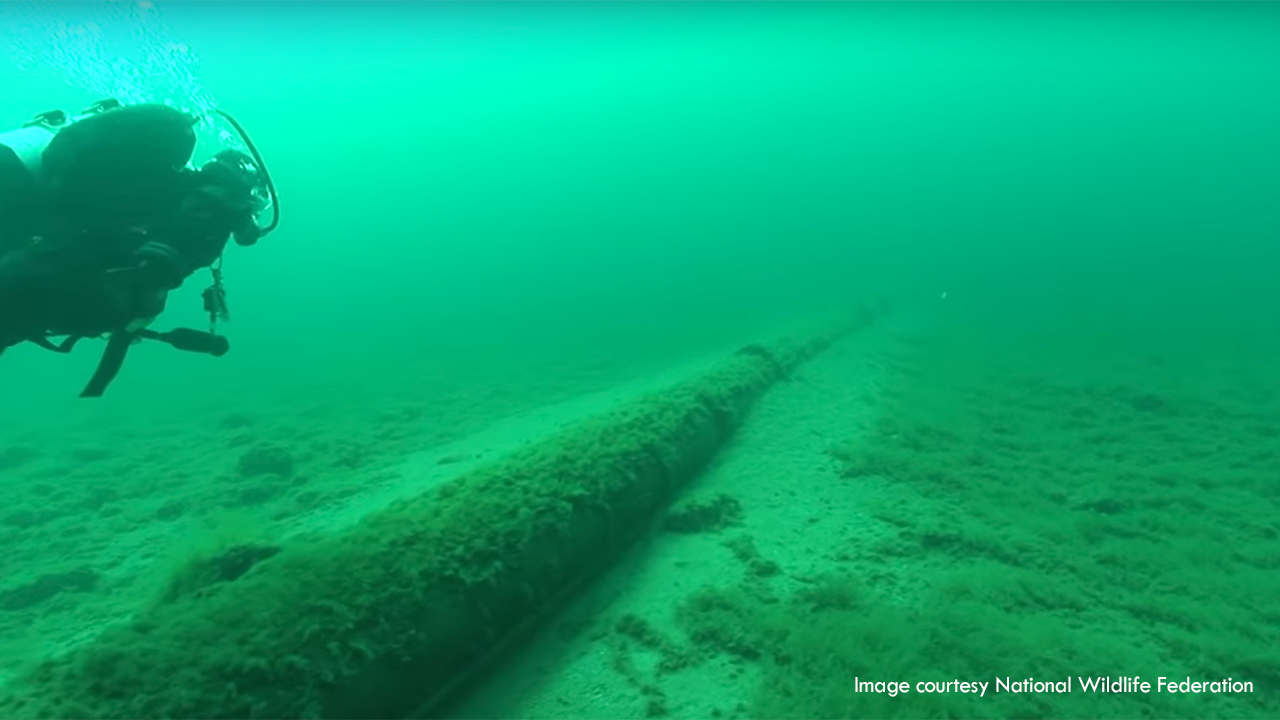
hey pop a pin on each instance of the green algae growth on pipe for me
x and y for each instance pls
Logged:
(383, 619)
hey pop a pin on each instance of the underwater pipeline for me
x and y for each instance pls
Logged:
(385, 618)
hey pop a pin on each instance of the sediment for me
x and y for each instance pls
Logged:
(383, 619)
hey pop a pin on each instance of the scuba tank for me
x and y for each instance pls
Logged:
(26, 145)
(110, 161)
(22, 167)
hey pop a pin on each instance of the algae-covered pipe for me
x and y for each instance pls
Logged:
(382, 619)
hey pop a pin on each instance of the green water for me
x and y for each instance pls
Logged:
(491, 207)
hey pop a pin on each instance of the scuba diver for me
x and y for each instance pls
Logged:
(101, 216)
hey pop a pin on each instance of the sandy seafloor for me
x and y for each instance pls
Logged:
(120, 499)
(97, 514)
(903, 508)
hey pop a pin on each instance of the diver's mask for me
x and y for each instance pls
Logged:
(240, 171)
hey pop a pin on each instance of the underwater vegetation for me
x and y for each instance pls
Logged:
(380, 619)
(1027, 524)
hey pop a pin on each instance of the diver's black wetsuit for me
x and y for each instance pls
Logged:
(116, 223)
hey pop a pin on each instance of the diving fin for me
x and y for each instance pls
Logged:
(109, 366)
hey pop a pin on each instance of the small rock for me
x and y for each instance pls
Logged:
(99, 496)
(171, 510)
(25, 519)
(46, 587)
(720, 513)
(236, 421)
(15, 457)
(266, 460)
(1149, 403)
(227, 566)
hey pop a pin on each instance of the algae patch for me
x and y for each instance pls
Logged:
(716, 514)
